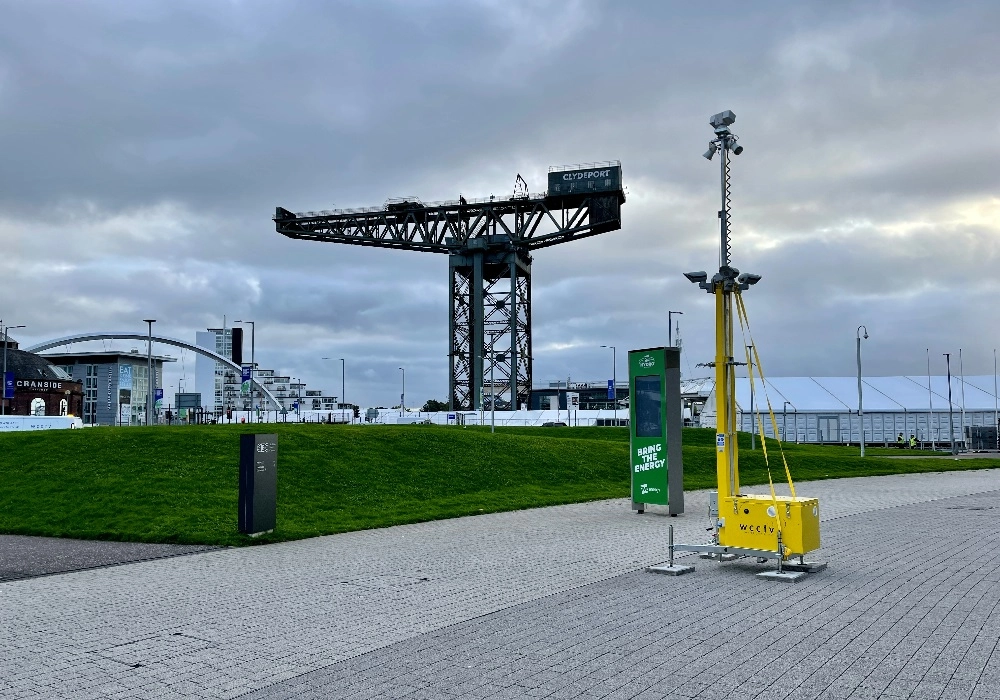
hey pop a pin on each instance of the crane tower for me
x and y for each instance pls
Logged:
(488, 243)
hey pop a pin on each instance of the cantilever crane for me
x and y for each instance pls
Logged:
(488, 243)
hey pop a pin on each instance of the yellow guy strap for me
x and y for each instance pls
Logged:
(760, 422)
(742, 312)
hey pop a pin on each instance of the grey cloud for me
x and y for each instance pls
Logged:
(147, 143)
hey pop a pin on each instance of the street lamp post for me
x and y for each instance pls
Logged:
(253, 362)
(951, 407)
(961, 370)
(614, 376)
(342, 376)
(930, 403)
(784, 422)
(3, 404)
(861, 411)
(150, 383)
(402, 396)
(670, 327)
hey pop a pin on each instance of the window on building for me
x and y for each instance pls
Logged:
(90, 395)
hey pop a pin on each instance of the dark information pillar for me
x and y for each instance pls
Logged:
(258, 483)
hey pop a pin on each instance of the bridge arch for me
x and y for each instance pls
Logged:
(84, 337)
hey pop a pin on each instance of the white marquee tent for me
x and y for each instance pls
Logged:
(825, 409)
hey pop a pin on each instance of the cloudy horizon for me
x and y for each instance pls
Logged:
(146, 145)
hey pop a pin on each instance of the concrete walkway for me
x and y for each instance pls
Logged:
(419, 610)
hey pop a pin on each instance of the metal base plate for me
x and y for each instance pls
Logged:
(675, 570)
(809, 567)
(786, 576)
(718, 557)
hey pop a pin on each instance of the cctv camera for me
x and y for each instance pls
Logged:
(696, 277)
(722, 119)
(736, 149)
(712, 148)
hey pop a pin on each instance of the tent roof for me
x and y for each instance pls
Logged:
(840, 394)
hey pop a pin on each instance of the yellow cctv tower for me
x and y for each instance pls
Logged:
(761, 526)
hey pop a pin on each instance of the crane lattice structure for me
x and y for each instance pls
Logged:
(488, 243)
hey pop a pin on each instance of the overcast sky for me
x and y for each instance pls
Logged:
(145, 145)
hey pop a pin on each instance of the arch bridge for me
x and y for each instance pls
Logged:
(164, 340)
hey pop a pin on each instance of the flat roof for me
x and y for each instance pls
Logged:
(52, 357)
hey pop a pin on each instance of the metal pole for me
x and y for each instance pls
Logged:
(861, 410)
(961, 369)
(343, 384)
(493, 386)
(784, 422)
(402, 396)
(253, 361)
(3, 397)
(149, 369)
(951, 407)
(930, 401)
(996, 418)
(3, 403)
(670, 545)
(253, 364)
(724, 214)
(670, 326)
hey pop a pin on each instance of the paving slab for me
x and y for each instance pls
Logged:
(915, 576)
(282, 618)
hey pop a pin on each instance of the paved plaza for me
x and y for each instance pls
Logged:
(551, 602)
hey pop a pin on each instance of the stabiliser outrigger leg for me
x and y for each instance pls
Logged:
(767, 527)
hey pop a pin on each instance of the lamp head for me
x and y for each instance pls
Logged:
(712, 148)
(748, 278)
(696, 277)
(735, 147)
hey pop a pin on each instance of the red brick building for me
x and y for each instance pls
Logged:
(40, 388)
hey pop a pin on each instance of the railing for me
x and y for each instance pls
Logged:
(417, 205)
(585, 166)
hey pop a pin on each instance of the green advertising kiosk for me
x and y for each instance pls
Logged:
(654, 377)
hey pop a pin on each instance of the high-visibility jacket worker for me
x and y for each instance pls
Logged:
(899, 440)
(913, 442)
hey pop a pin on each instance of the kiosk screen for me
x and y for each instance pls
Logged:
(648, 411)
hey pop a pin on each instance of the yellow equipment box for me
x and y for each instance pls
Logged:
(751, 522)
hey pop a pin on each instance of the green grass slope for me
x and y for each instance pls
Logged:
(181, 484)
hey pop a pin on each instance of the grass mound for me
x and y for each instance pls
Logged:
(181, 484)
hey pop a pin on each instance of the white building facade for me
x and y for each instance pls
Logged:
(217, 383)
